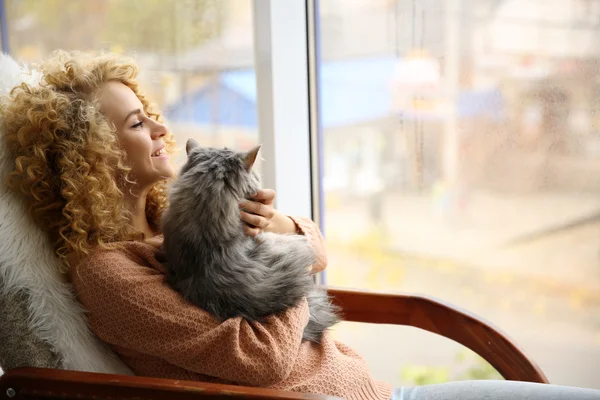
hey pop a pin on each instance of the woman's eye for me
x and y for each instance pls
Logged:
(138, 125)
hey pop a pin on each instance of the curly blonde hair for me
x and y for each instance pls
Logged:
(68, 163)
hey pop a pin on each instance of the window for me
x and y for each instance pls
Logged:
(461, 157)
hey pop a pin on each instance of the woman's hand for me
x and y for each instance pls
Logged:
(259, 215)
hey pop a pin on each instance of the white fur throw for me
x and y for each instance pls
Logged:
(28, 262)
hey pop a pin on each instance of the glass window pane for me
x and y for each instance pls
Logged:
(462, 160)
(196, 56)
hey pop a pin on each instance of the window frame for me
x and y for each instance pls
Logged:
(286, 101)
(286, 57)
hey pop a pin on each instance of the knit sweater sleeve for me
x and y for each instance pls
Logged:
(130, 306)
(315, 237)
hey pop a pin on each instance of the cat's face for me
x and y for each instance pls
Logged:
(221, 170)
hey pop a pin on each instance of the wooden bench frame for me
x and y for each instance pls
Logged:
(359, 306)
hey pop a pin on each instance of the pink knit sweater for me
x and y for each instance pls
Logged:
(158, 334)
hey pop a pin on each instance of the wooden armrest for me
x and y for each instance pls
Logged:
(443, 319)
(40, 383)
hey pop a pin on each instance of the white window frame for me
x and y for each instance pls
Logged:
(286, 57)
(284, 49)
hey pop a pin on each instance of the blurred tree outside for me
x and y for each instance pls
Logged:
(474, 367)
(166, 26)
(163, 25)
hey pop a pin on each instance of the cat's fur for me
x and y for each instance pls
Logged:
(215, 266)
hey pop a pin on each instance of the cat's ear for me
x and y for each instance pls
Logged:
(190, 145)
(249, 158)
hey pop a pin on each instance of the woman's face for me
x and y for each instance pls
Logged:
(140, 137)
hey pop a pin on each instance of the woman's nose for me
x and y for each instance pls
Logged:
(158, 130)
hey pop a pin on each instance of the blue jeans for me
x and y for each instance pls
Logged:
(494, 390)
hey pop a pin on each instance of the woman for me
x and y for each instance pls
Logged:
(92, 161)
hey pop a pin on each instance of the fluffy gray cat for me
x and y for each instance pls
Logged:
(215, 266)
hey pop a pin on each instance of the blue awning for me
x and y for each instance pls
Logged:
(352, 91)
